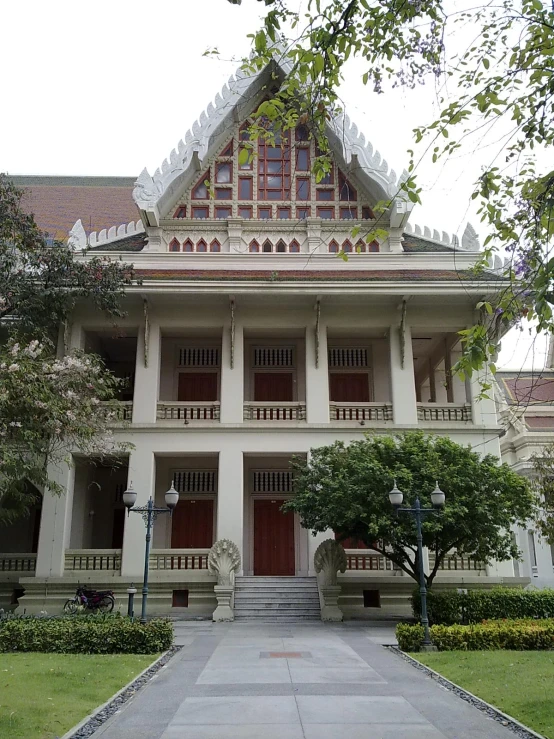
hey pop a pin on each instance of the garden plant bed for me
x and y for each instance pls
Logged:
(515, 684)
(43, 695)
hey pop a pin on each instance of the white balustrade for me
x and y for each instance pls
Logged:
(368, 560)
(183, 411)
(456, 563)
(372, 412)
(179, 559)
(274, 411)
(118, 412)
(105, 560)
(18, 562)
(443, 413)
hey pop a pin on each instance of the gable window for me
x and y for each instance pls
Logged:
(302, 133)
(303, 159)
(367, 213)
(181, 212)
(246, 188)
(201, 246)
(283, 213)
(245, 211)
(326, 213)
(228, 150)
(264, 214)
(223, 193)
(360, 247)
(294, 246)
(224, 173)
(200, 190)
(200, 212)
(215, 246)
(274, 169)
(174, 245)
(325, 193)
(254, 246)
(373, 246)
(188, 245)
(346, 191)
(223, 211)
(349, 213)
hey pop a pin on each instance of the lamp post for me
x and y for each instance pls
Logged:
(149, 513)
(396, 497)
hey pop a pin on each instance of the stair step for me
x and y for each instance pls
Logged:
(282, 599)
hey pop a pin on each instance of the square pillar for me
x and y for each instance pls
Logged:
(142, 469)
(55, 523)
(230, 499)
(147, 378)
(403, 390)
(317, 377)
(232, 378)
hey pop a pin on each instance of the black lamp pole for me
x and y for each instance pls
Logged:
(149, 513)
(437, 497)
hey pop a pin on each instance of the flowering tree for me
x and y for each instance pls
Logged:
(49, 406)
(492, 66)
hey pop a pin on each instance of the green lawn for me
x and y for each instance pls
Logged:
(518, 683)
(44, 695)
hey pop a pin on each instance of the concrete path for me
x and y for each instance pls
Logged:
(294, 681)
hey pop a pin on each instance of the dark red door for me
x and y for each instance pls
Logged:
(273, 387)
(349, 387)
(193, 524)
(273, 539)
(197, 386)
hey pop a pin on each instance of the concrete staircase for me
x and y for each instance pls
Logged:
(276, 599)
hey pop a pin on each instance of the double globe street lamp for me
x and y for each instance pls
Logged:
(396, 497)
(149, 513)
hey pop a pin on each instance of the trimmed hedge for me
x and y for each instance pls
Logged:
(524, 634)
(98, 634)
(451, 607)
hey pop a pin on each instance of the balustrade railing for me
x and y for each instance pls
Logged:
(106, 560)
(437, 413)
(375, 412)
(118, 411)
(183, 411)
(179, 559)
(361, 559)
(455, 563)
(18, 562)
(274, 411)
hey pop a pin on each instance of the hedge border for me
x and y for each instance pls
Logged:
(523, 731)
(91, 723)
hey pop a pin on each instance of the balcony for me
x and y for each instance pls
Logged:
(179, 559)
(444, 413)
(361, 412)
(258, 411)
(188, 411)
(17, 563)
(88, 560)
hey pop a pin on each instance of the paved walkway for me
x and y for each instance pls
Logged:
(294, 681)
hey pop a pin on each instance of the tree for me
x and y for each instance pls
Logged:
(493, 66)
(48, 405)
(345, 488)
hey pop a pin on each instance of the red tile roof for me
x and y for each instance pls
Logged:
(300, 275)
(528, 389)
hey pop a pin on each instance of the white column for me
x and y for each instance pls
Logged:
(142, 470)
(55, 523)
(232, 378)
(230, 498)
(147, 379)
(403, 391)
(317, 378)
(483, 410)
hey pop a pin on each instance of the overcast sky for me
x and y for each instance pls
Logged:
(107, 88)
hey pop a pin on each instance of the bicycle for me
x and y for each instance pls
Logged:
(91, 600)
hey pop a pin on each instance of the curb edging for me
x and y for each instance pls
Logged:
(495, 713)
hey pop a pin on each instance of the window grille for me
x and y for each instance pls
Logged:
(194, 481)
(348, 357)
(191, 356)
(273, 481)
(274, 356)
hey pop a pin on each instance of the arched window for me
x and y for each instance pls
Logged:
(280, 246)
(174, 245)
(374, 246)
(294, 246)
(333, 246)
(347, 246)
(268, 246)
(254, 246)
(201, 246)
(215, 246)
(188, 245)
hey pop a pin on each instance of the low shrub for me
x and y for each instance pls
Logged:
(523, 634)
(474, 606)
(95, 634)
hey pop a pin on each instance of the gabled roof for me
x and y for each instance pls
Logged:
(155, 195)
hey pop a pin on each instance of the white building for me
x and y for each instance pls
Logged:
(248, 342)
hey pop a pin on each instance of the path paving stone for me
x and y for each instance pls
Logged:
(294, 681)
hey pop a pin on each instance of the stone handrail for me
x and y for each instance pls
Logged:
(106, 560)
(187, 411)
(256, 411)
(360, 411)
(18, 562)
(455, 562)
(364, 559)
(443, 412)
(179, 559)
(122, 410)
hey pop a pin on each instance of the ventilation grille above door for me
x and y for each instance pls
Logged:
(273, 481)
(274, 356)
(194, 481)
(347, 357)
(192, 356)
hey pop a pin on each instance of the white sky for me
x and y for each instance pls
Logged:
(107, 88)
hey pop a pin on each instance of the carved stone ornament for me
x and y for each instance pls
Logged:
(329, 559)
(223, 560)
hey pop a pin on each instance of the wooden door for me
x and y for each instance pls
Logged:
(273, 539)
(192, 524)
(349, 387)
(273, 387)
(197, 386)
